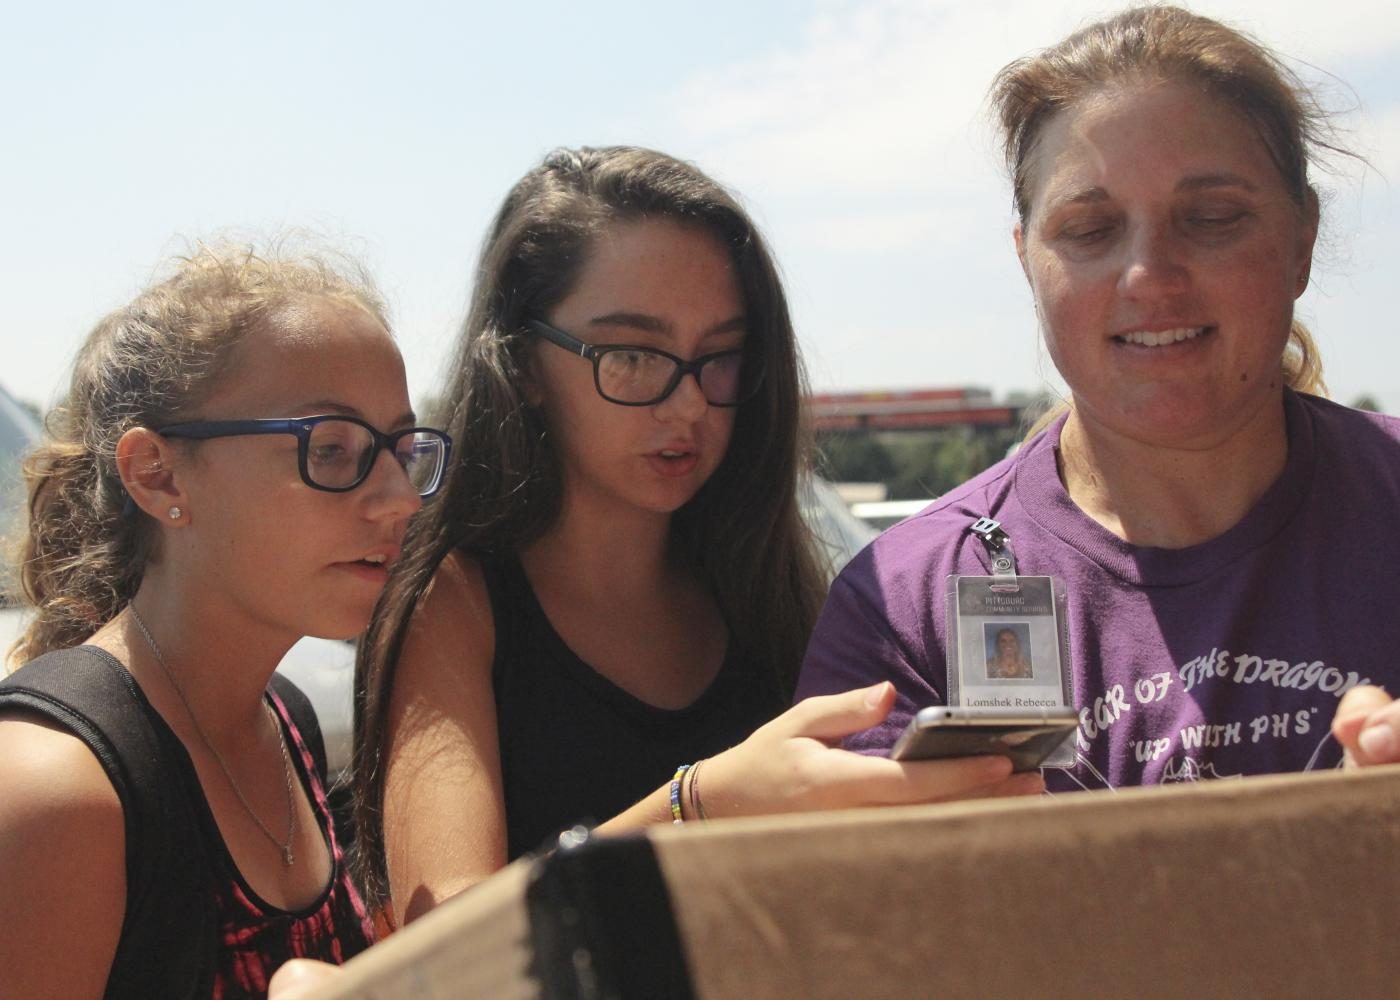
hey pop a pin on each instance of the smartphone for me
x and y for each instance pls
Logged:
(1027, 736)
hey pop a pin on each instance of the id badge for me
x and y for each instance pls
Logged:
(1007, 648)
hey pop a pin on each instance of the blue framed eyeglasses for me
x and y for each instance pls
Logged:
(336, 453)
(642, 376)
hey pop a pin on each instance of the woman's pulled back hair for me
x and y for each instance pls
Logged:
(1168, 43)
(742, 530)
(148, 364)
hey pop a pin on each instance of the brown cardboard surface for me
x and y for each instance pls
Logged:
(475, 946)
(1282, 886)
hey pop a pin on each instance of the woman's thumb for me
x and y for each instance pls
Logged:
(832, 716)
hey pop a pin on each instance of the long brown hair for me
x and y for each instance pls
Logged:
(145, 365)
(1163, 42)
(742, 530)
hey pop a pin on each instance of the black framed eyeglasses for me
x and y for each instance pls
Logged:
(642, 376)
(336, 453)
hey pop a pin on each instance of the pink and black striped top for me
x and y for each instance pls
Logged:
(257, 937)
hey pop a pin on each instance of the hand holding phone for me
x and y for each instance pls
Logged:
(1026, 736)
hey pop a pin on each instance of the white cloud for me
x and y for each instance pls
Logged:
(872, 231)
(888, 97)
(881, 96)
(1382, 143)
(864, 139)
(1303, 29)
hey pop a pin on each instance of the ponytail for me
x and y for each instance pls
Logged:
(82, 560)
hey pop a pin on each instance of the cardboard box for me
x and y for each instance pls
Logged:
(1283, 886)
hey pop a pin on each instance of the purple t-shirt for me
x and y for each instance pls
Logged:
(1223, 659)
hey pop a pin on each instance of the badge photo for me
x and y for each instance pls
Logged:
(1007, 649)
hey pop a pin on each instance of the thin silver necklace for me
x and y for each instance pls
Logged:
(284, 846)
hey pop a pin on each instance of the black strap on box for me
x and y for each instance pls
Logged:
(601, 923)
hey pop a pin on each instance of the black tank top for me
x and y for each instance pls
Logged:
(575, 747)
(193, 927)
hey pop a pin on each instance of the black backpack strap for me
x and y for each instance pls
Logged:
(304, 717)
(168, 933)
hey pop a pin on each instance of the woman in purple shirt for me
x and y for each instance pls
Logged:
(1210, 518)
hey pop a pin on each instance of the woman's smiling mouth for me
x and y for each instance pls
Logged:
(1161, 338)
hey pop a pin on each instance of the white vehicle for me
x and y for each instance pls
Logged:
(840, 532)
(18, 432)
(884, 514)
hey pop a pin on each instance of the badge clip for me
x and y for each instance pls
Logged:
(998, 545)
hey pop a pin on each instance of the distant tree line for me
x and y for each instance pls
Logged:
(912, 464)
(917, 464)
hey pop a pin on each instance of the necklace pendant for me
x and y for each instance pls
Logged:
(287, 858)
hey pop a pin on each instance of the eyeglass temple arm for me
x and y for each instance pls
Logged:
(557, 336)
(207, 429)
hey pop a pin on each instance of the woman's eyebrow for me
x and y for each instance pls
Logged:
(638, 321)
(735, 324)
(1084, 196)
(655, 324)
(1187, 185)
(326, 406)
(1203, 181)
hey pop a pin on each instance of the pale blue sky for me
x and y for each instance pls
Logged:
(854, 130)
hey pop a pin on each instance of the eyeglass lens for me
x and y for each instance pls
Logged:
(340, 454)
(636, 376)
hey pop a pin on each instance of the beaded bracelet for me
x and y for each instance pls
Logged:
(676, 814)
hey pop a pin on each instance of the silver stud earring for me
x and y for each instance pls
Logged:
(176, 513)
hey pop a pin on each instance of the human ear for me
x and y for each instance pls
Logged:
(1018, 236)
(1307, 239)
(144, 462)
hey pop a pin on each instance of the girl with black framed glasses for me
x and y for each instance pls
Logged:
(617, 582)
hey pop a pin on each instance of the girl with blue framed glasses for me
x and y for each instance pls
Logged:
(233, 468)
